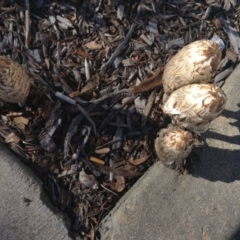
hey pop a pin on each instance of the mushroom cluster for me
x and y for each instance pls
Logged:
(190, 100)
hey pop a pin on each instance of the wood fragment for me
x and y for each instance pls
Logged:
(149, 105)
(121, 46)
(27, 23)
(223, 75)
(146, 39)
(96, 160)
(233, 36)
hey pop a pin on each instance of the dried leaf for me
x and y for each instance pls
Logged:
(119, 185)
(89, 86)
(87, 181)
(150, 83)
(72, 170)
(93, 45)
(140, 160)
(64, 23)
(84, 54)
(20, 122)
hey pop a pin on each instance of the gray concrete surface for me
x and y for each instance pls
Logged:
(202, 205)
(17, 220)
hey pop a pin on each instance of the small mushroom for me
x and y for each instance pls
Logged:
(14, 81)
(173, 145)
(194, 63)
(194, 106)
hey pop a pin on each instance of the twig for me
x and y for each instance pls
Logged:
(96, 160)
(87, 70)
(72, 129)
(58, 55)
(123, 91)
(113, 114)
(86, 133)
(80, 108)
(65, 98)
(108, 190)
(122, 45)
(27, 24)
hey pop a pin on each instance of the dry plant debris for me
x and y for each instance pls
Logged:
(82, 129)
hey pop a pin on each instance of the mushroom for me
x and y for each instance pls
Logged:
(194, 63)
(194, 106)
(14, 81)
(173, 145)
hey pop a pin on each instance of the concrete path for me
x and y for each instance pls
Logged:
(201, 206)
(18, 220)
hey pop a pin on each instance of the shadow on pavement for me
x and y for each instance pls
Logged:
(221, 162)
(236, 235)
(224, 165)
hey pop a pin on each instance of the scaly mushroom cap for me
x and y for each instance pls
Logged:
(14, 81)
(194, 63)
(173, 145)
(194, 106)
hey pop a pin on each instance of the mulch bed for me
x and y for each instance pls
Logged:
(83, 130)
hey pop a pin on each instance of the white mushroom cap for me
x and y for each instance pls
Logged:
(14, 81)
(194, 63)
(173, 145)
(194, 106)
